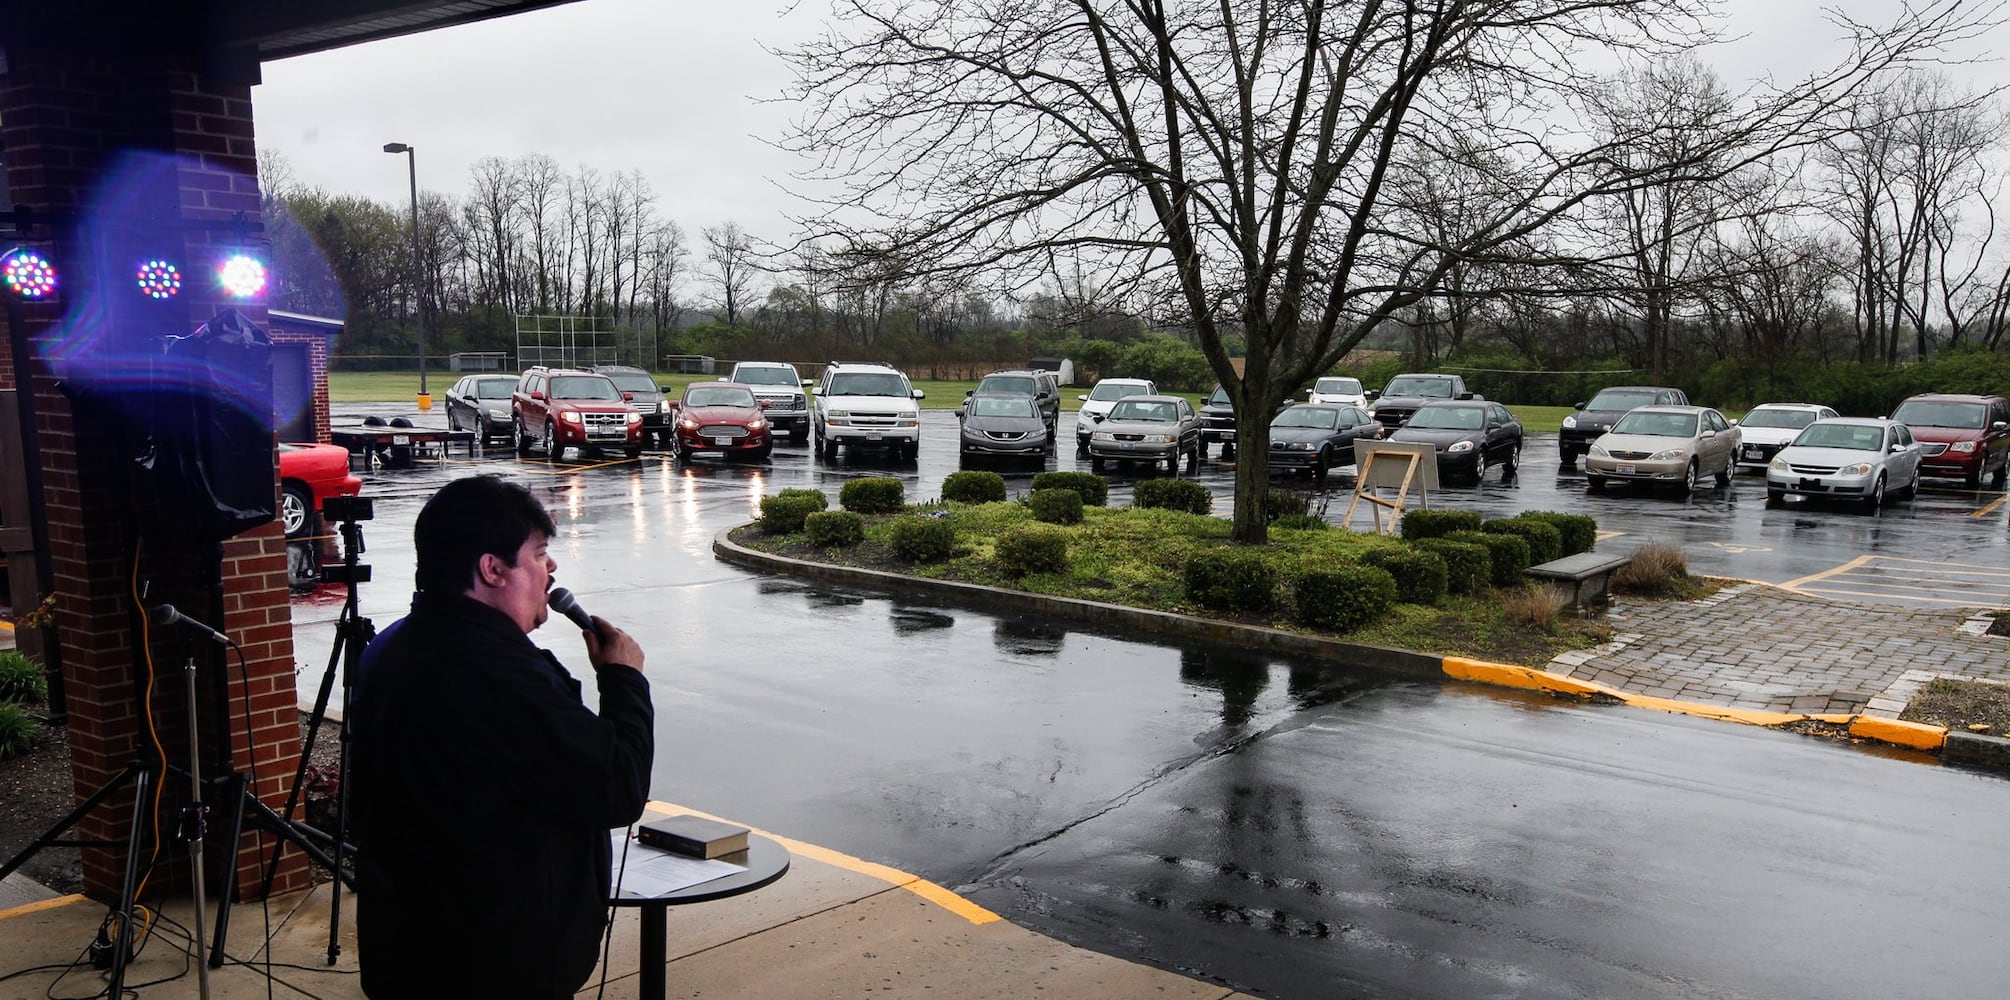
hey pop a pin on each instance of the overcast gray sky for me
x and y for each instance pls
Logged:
(675, 90)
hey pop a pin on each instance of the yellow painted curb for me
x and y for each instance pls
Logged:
(1906, 734)
(39, 905)
(1917, 735)
(892, 876)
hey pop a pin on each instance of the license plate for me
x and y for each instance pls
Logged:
(1811, 484)
(1129, 446)
(1752, 453)
(401, 439)
(722, 441)
(872, 437)
(1624, 470)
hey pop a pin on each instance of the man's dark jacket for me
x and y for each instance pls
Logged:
(483, 793)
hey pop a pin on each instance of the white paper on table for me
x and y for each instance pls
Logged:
(654, 872)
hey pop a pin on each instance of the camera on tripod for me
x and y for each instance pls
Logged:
(348, 509)
(349, 512)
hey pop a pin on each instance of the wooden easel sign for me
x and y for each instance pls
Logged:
(1398, 465)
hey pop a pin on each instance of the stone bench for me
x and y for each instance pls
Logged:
(1583, 578)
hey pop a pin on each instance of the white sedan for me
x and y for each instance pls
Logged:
(1769, 427)
(1847, 458)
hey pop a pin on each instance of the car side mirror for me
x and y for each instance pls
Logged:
(664, 389)
(1082, 398)
(967, 393)
(723, 378)
(1709, 434)
(1467, 395)
(807, 384)
(1577, 406)
(628, 397)
(1999, 427)
(1372, 394)
(764, 403)
(918, 394)
(1734, 423)
(537, 395)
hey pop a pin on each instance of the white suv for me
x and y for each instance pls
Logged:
(866, 405)
(1096, 405)
(777, 384)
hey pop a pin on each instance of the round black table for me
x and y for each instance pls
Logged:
(765, 862)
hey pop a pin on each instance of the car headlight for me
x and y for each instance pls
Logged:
(687, 424)
(634, 418)
(837, 416)
(1859, 469)
(1778, 465)
(1596, 450)
(908, 422)
(1459, 446)
(1300, 446)
(1570, 423)
(1158, 438)
(569, 416)
(499, 412)
(663, 406)
(757, 425)
(1671, 455)
(1102, 436)
(1963, 447)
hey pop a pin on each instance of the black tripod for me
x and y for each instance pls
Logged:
(352, 632)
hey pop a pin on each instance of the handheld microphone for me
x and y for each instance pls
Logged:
(167, 615)
(562, 601)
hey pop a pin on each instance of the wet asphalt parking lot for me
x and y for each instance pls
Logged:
(1294, 829)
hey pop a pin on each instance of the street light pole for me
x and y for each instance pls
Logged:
(418, 267)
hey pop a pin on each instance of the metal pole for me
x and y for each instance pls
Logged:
(195, 830)
(418, 273)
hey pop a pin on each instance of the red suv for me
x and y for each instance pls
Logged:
(560, 408)
(1963, 436)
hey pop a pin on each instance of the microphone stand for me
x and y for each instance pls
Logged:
(197, 819)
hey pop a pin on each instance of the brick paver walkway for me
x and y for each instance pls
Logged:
(1750, 646)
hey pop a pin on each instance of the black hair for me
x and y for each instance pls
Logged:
(467, 519)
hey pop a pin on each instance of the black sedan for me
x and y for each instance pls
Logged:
(1471, 436)
(480, 403)
(1003, 425)
(1318, 437)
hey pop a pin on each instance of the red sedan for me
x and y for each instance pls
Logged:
(723, 417)
(309, 474)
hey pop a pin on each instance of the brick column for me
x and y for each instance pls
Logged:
(68, 114)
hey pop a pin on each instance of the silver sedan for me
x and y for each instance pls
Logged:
(1846, 458)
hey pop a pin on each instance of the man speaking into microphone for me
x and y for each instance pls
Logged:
(483, 788)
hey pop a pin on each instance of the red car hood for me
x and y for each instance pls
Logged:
(1945, 435)
(722, 414)
(323, 467)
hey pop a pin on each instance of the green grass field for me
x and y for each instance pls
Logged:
(378, 387)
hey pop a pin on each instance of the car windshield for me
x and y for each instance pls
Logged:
(1439, 388)
(1933, 413)
(1001, 406)
(1337, 387)
(1307, 416)
(868, 384)
(1448, 418)
(719, 395)
(1148, 411)
(1106, 391)
(1673, 425)
(1855, 437)
(1009, 384)
(495, 388)
(633, 383)
(1220, 397)
(1620, 399)
(1767, 417)
(583, 387)
(766, 376)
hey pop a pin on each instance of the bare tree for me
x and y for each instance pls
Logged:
(1236, 156)
(544, 185)
(734, 265)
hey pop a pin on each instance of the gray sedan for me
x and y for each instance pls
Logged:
(1848, 458)
(1148, 429)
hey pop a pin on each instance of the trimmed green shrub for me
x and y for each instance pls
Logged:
(1300, 522)
(783, 515)
(1095, 490)
(1507, 554)
(17, 730)
(1419, 574)
(1055, 506)
(815, 496)
(1545, 542)
(973, 486)
(1467, 566)
(1437, 523)
(921, 539)
(1035, 548)
(1278, 504)
(1580, 531)
(1174, 494)
(1343, 598)
(1229, 579)
(21, 679)
(833, 528)
(872, 495)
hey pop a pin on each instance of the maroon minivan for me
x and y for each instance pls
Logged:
(1966, 437)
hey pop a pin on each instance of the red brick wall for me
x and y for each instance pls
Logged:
(62, 116)
(317, 352)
